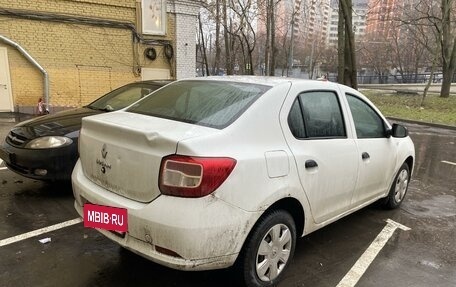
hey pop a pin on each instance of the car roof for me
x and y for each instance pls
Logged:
(261, 80)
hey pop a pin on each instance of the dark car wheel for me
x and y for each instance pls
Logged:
(398, 188)
(268, 249)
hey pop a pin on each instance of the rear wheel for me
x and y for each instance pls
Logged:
(398, 188)
(268, 250)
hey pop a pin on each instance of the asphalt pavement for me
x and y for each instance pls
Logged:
(410, 246)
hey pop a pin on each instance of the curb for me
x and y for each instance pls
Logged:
(435, 125)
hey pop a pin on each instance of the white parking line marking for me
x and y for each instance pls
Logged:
(2, 168)
(39, 231)
(355, 273)
(449, 162)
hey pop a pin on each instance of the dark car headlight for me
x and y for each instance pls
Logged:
(48, 142)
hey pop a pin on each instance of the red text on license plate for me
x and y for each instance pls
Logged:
(105, 217)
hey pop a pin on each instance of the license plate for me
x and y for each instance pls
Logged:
(105, 217)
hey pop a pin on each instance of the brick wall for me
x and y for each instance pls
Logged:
(83, 61)
(186, 25)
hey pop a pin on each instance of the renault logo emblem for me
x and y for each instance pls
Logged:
(104, 151)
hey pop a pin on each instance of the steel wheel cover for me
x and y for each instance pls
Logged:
(273, 252)
(401, 185)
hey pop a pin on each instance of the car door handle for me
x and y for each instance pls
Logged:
(311, 163)
(365, 155)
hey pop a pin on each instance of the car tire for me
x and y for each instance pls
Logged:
(268, 250)
(398, 188)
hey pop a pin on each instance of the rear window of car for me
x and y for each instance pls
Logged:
(208, 103)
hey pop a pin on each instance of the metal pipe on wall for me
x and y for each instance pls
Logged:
(34, 62)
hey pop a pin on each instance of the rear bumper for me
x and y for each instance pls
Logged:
(206, 233)
(58, 162)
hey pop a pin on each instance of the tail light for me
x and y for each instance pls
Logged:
(188, 176)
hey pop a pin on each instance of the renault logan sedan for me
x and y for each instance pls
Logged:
(46, 148)
(211, 172)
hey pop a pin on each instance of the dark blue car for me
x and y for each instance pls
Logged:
(46, 147)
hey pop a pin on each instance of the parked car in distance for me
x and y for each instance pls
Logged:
(46, 147)
(210, 172)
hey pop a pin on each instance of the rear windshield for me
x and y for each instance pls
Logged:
(208, 103)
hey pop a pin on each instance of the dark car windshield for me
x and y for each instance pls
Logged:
(123, 96)
(208, 103)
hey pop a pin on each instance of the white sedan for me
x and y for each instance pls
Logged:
(210, 172)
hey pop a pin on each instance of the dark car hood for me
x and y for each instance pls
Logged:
(59, 124)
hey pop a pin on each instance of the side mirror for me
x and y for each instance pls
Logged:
(399, 131)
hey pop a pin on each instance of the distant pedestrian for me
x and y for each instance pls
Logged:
(41, 107)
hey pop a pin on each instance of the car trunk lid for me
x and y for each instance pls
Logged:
(122, 151)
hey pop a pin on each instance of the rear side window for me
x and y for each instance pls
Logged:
(316, 114)
(123, 96)
(208, 103)
(368, 123)
(296, 121)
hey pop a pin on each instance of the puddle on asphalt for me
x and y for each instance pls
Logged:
(437, 206)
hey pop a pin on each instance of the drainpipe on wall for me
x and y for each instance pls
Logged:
(35, 63)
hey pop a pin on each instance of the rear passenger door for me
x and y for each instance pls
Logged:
(324, 151)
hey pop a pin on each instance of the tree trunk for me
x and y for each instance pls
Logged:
(348, 62)
(203, 46)
(448, 41)
(312, 61)
(268, 38)
(428, 84)
(228, 63)
(249, 60)
(350, 73)
(233, 58)
(273, 48)
(216, 67)
(243, 66)
(340, 46)
(435, 59)
(448, 69)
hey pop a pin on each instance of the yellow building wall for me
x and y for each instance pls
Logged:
(83, 61)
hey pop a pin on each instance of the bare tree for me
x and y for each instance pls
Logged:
(270, 38)
(329, 59)
(247, 38)
(210, 18)
(448, 43)
(376, 55)
(216, 66)
(347, 54)
(202, 44)
(407, 54)
(229, 64)
(427, 17)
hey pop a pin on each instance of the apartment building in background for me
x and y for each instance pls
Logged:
(314, 23)
(380, 19)
(310, 20)
(284, 11)
(359, 20)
